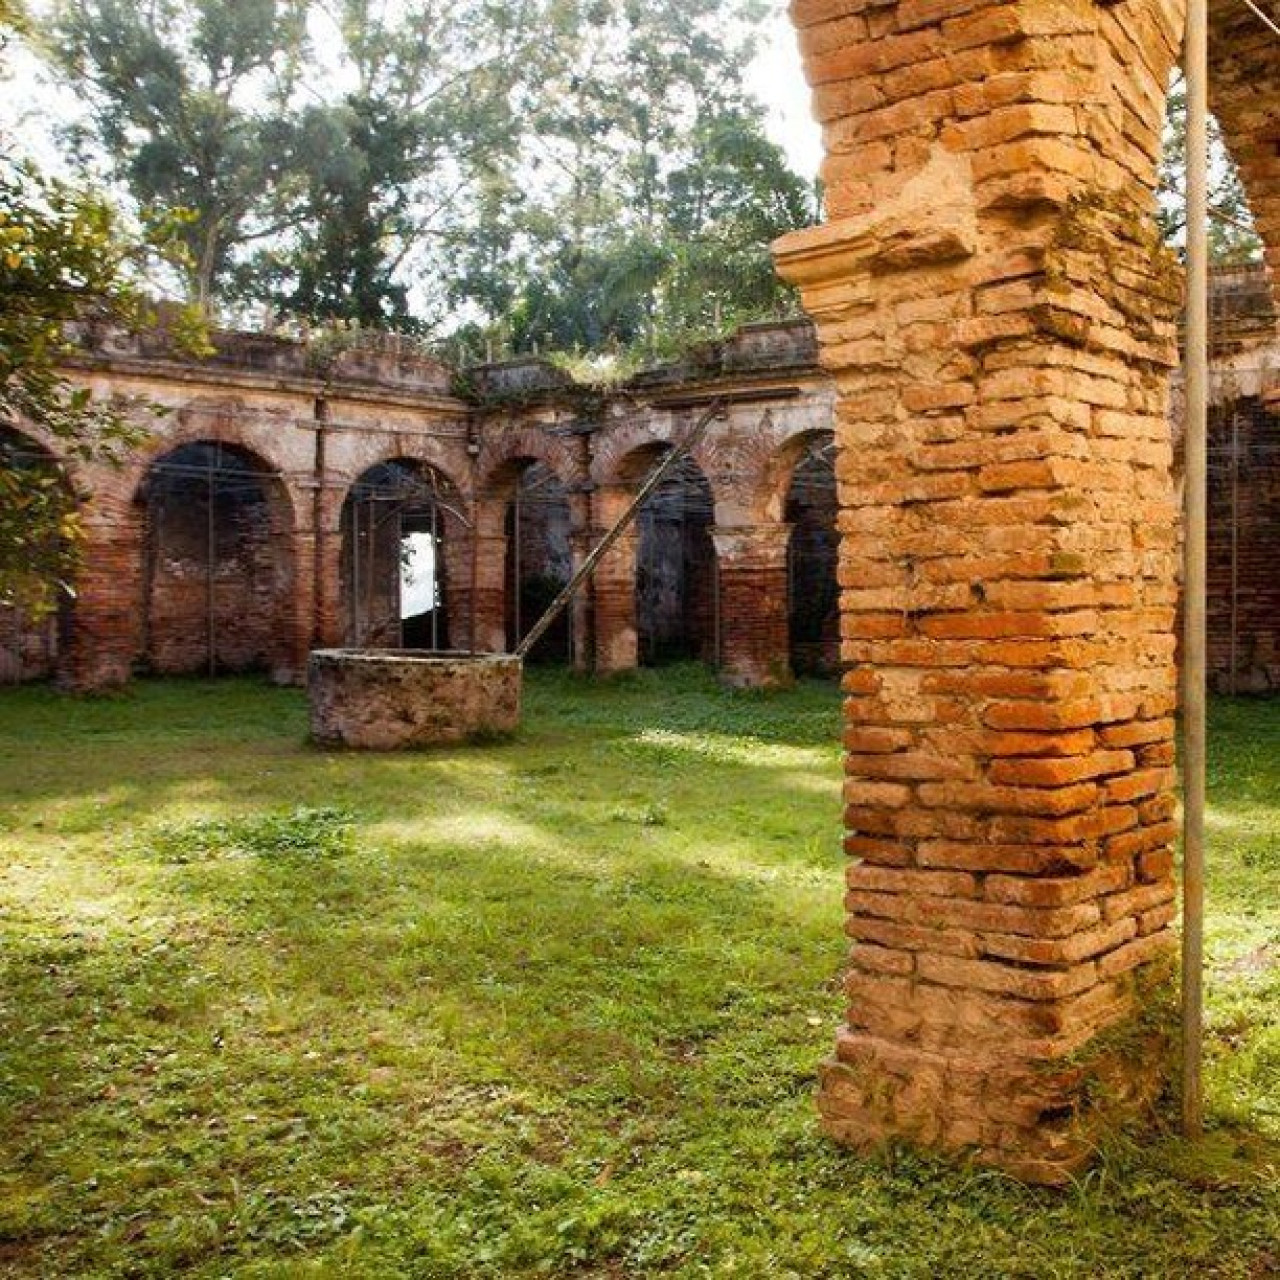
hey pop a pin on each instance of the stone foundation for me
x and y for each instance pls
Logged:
(393, 700)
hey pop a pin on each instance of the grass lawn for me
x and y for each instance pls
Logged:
(545, 1008)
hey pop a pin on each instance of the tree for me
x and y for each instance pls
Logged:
(189, 102)
(66, 258)
(554, 172)
(649, 192)
(389, 170)
(1232, 238)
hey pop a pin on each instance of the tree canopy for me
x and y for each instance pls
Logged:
(515, 173)
(67, 258)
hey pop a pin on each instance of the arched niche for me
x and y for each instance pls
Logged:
(397, 520)
(218, 572)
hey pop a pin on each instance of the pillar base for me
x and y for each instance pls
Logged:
(1040, 1119)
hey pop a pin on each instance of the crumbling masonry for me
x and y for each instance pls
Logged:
(268, 511)
(999, 319)
(996, 324)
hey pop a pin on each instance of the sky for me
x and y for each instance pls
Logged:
(777, 80)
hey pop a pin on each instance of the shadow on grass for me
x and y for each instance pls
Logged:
(556, 1012)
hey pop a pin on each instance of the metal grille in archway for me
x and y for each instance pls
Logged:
(539, 562)
(1243, 541)
(394, 527)
(216, 583)
(677, 615)
(812, 562)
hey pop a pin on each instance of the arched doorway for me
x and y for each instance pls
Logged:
(676, 570)
(539, 561)
(813, 591)
(217, 582)
(395, 523)
(35, 601)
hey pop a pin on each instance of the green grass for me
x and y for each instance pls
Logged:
(551, 1007)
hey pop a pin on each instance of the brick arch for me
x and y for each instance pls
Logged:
(998, 315)
(368, 559)
(504, 455)
(351, 459)
(626, 449)
(346, 482)
(779, 469)
(203, 422)
(1244, 93)
(239, 611)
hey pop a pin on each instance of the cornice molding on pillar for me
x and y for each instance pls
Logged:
(932, 221)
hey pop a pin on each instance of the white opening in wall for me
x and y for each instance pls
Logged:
(418, 586)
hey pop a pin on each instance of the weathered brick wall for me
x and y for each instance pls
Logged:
(1244, 542)
(257, 400)
(1244, 88)
(1244, 485)
(998, 318)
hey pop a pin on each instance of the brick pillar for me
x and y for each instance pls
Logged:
(456, 554)
(614, 588)
(997, 314)
(105, 631)
(293, 541)
(326, 603)
(753, 605)
(491, 577)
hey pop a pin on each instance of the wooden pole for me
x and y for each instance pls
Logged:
(1196, 366)
(588, 566)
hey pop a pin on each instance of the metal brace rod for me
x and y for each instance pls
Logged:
(716, 409)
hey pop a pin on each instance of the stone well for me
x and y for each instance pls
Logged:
(397, 699)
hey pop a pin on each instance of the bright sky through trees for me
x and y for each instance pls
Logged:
(777, 80)
(34, 105)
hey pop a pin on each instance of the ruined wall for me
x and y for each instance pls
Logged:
(1244, 541)
(285, 568)
(1244, 485)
